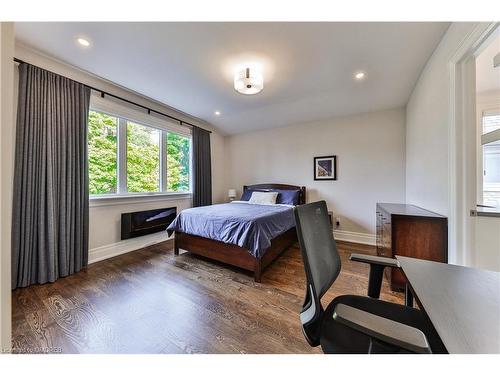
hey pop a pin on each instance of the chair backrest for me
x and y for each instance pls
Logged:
(321, 262)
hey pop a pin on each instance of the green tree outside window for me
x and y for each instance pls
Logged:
(102, 153)
(143, 157)
(177, 162)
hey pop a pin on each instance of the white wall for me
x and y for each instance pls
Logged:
(427, 123)
(370, 161)
(487, 250)
(104, 215)
(6, 178)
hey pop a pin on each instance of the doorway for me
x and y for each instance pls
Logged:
(486, 252)
(474, 230)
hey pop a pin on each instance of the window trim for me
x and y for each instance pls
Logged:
(493, 135)
(132, 198)
(124, 115)
(121, 187)
(164, 161)
(490, 137)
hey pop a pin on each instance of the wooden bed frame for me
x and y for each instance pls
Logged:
(239, 256)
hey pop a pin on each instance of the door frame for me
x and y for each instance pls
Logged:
(462, 149)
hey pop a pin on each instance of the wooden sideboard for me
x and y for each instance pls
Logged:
(411, 231)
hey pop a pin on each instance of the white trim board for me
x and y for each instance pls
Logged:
(356, 237)
(120, 200)
(118, 248)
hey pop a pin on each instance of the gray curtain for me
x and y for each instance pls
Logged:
(202, 168)
(50, 212)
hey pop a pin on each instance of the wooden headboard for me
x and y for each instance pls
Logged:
(302, 194)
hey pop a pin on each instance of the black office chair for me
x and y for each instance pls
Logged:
(353, 324)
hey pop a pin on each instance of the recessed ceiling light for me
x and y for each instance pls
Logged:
(83, 42)
(217, 113)
(359, 75)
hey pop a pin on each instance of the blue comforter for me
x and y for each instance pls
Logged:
(251, 226)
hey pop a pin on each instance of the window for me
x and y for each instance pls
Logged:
(102, 153)
(491, 122)
(143, 159)
(490, 142)
(133, 153)
(178, 162)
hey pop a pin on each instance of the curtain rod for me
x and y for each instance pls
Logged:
(104, 93)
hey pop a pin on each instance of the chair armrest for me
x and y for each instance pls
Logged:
(377, 265)
(386, 330)
(372, 259)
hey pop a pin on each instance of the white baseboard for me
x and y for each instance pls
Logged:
(108, 251)
(118, 248)
(356, 237)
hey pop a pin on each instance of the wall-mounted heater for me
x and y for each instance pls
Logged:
(140, 223)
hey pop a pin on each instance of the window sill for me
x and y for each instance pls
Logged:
(116, 199)
(488, 211)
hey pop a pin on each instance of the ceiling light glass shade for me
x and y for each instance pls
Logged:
(248, 81)
(359, 75)
(83, 42)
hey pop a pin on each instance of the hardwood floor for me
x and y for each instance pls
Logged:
(149, 301)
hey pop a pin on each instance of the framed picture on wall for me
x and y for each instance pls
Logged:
(325, 168)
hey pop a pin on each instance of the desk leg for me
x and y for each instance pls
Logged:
(408, 296)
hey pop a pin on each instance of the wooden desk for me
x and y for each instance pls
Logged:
(462, 303)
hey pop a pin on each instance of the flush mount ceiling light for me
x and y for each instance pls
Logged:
(83, 42)
(359, 76)
(248, 81)
(217, 113)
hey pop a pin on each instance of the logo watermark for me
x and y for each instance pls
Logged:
(33, 350)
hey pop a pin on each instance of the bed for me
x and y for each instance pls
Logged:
(239, 234)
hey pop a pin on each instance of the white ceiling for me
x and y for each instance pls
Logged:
(488, 77)
(308, 67)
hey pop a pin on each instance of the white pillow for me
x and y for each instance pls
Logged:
(260, 197)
